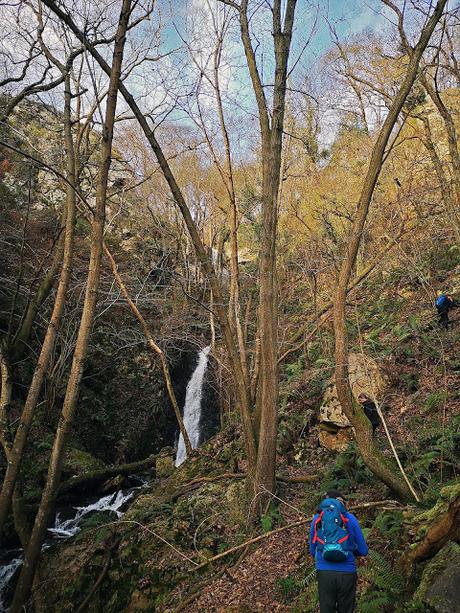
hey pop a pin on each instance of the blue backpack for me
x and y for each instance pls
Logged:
(441, 301)
(330, 531)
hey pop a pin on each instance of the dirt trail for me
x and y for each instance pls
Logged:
(251, 586)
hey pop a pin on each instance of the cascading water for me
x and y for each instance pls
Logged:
(192, 406)
(63, 529)
(10, 563)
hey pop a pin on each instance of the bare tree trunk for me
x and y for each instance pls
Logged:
(32, 553)
(201, 252)
(22, 335)
(234, 302)
(272, 138)
(450, 204)
(445, 528)
(6, 388)
(88, 481)
(155, 348)
(371, 455)
(16, 452)
(454, 154)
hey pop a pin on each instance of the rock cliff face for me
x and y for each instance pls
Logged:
(365, 377)
(439, 589)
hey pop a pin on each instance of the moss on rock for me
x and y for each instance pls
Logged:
(439, 588)
(77, 462)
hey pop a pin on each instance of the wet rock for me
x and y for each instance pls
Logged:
(439, 589)
(78, 462)
(113, 484)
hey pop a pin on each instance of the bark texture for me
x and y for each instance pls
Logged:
(32, 552)
(271, 132)
(374, 459)
(15, 456)
(446, 528)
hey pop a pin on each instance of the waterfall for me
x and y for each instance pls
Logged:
(192, 406)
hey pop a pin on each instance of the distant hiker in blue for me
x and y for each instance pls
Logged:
(335, 540)
(443, 304)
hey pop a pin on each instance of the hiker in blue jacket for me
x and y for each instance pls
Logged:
(443, 304)
(335, 541)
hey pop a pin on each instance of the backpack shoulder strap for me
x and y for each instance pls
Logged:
(316, 538)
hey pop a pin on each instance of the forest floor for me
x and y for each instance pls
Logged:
(252, 584)
(262, 578)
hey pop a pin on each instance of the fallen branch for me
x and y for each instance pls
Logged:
(98, 476)
(296, 524)
(100, 579)
(252, 541)
(378, 503)
(216, 478)
(196, 483)
(297, 478)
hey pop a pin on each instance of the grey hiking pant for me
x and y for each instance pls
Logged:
(337, 591)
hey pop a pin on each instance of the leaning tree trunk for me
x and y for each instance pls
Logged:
(385, 470)
(32, 553)
(21, 337)
(17, 448)
(242, 391)
(445, 528)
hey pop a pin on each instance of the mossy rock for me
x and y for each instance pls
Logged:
(164, 465)
(439, 588)
(236, 503)
(77, 462)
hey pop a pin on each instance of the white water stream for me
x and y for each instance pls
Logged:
(7, 571)
(63, 529)
(192, 406)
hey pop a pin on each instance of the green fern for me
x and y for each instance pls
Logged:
(385, 576)
(374, 604)
(389, 524)
(385, 585)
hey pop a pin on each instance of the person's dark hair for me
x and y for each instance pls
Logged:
(335, 494)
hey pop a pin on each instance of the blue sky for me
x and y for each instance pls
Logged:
(178, 74)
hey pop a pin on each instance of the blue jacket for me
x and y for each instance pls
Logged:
(356, 544)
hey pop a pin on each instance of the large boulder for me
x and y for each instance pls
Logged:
(365, 377)
(439, 589)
